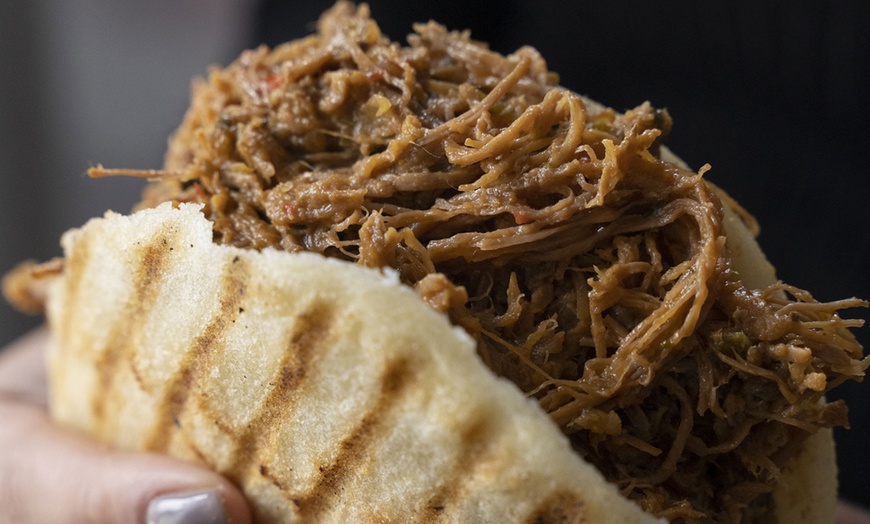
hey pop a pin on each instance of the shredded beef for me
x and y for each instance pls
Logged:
(592, 273)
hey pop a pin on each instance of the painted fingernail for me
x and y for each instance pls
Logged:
(192, 507)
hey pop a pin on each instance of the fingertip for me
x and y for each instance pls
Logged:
(164, 490)
(208, 505)
(207, 500)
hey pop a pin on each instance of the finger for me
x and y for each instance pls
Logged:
(50, 475)
(22, 368)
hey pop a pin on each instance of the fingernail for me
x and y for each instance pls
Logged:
(192, 507)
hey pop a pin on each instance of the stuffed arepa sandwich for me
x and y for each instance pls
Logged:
(386, 283)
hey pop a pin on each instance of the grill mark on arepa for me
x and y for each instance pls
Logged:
(354, 450)
(265, 472)
(198, 357)
(127, 330)
(307, 334)
(475, 439)
(561, 507)
(201, 456)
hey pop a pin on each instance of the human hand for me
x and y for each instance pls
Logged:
(50, 474)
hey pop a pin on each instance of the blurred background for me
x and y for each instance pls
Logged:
(773, 94)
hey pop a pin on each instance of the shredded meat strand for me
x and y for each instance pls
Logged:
(592, 273)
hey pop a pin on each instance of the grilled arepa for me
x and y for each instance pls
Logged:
(326, 391)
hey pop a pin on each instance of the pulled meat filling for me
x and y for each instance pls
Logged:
(592, 273)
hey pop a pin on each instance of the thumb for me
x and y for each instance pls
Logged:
(48, 474)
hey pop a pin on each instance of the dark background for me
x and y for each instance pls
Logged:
(772, 94)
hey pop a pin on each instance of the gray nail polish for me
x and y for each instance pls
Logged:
(193, 507)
